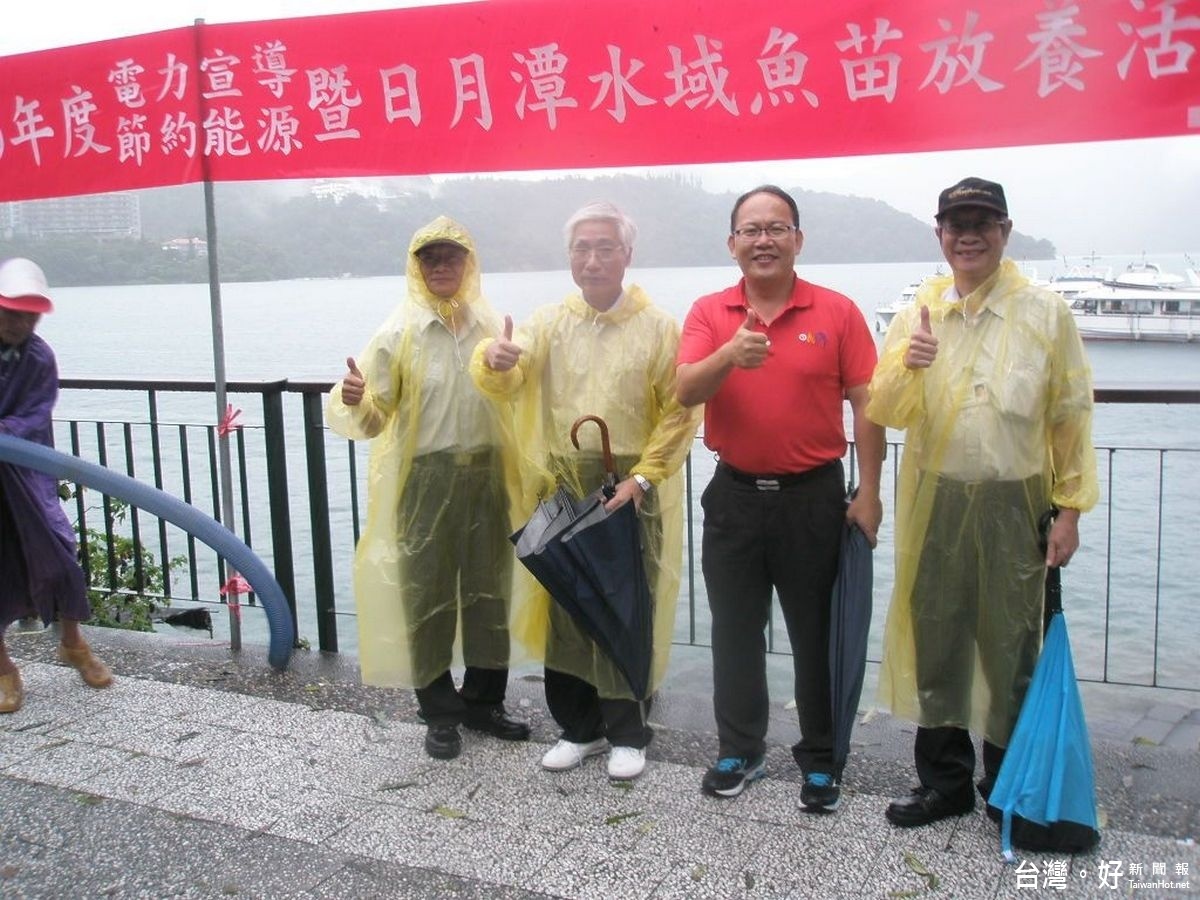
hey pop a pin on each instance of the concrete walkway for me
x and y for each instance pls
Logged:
(200, 773)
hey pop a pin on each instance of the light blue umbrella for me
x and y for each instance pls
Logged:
(1046, 789)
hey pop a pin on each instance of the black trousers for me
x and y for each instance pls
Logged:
(440, 703)
(945, 759)
(583, 715)
(756, 541)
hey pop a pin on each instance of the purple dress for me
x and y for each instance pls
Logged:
(39, 570)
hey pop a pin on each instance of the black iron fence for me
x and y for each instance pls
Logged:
(300, 501)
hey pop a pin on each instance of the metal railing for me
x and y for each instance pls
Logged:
(1128, 595)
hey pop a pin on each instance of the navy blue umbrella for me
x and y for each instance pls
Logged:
(849, 628)
(590, 561)
(1046, 789)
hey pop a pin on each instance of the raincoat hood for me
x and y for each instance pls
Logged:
(442, 230)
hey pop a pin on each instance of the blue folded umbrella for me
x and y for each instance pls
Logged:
(1046, 788)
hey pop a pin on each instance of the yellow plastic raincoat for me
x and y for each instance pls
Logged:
(619, 365)
(440, 478)
(998, 429)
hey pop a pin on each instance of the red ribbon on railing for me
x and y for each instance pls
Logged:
(229, 422)
(232, 588)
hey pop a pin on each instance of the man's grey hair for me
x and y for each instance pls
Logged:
(602, 211)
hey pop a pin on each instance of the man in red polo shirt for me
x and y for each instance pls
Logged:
(773, 358)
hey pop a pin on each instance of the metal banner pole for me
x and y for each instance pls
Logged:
(218, 340)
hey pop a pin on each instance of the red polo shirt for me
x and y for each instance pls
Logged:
(786, 416)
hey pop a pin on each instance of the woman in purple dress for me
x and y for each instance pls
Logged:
(39, 570)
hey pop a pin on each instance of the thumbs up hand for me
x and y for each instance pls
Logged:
(748, 348)
(354, 384)
(502, 354)
(922, 345)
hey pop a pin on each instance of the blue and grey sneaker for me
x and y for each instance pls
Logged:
(731, 774)
(820, 793)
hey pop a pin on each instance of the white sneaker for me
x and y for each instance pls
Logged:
(626, 763)
(566, 755)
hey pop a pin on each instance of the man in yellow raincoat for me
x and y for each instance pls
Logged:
(605, 351)
(987, 375)
(434, 558)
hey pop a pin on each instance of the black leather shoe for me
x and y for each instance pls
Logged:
(442, 741)
(495, 721)
(925, 805)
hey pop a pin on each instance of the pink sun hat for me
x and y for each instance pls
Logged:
(23, 286)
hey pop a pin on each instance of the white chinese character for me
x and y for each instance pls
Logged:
(77, 116)
(1169, 57)
(1027, 875)
(620, 84)
(701, 78)
(223, 133)
(124, 79)
(782, 71)
(394, 92)
(173, 73)
(545, 67)
(1136, 870)
(219, 70)
(1158, 869)
(967, 54)
(1054, 874)
(471, 85)
(1057, 51)
(177, 131)
(29, 127)
(133, 141)
(871, 76)
(279, 130)
(1181, 869)
(329, 94)
(1110, 871)
(269, 60)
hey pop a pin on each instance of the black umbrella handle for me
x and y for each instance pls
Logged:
(1053, 575)
(610, 470)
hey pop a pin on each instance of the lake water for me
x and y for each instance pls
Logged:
(304, 330)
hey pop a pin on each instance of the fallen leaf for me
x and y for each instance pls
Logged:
(621, 817)
(396, 785)
(1144, 741)
(89, 799)
(449, 812)
(699, 872)
(625, 786)
(931, 879)
(747, 877)
(192, 763)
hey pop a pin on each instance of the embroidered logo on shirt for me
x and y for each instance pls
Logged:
(816, 338)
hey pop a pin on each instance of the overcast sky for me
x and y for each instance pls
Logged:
(1120, 197)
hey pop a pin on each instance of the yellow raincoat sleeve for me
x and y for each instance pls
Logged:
(897, 393)
(671, 439)
(1074, 482)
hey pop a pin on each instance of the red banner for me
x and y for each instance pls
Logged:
(545, 84)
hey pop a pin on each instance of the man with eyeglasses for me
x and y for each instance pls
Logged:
(987, 375)
(433, 569)
(608, 351)
(773, 359)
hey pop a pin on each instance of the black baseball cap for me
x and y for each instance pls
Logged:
(972, 192)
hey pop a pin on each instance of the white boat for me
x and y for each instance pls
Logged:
(885, 312)
(1143, 303)
(1078, 279)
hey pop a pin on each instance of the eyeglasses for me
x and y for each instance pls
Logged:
(774, 231)
(960, 227)
(603, 252)
(435, 258)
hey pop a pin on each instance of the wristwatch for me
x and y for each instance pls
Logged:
(643, 482)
